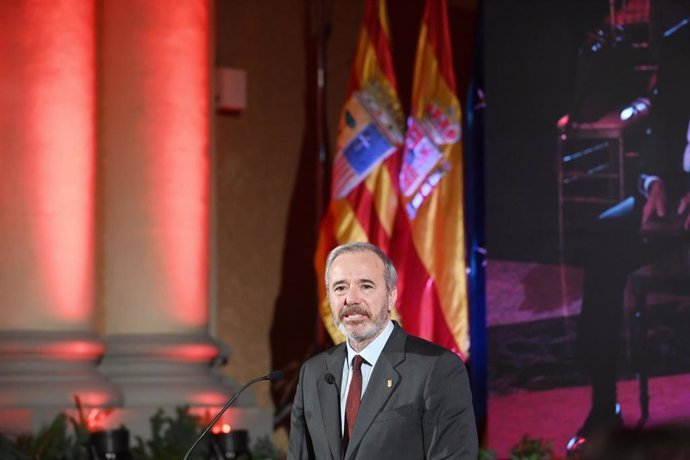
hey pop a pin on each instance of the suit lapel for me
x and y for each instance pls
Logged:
(329, 398)
(383, 382)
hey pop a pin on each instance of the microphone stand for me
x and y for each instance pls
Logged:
(272, 376)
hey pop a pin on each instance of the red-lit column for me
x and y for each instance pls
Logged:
(155, 127)
(48, 347)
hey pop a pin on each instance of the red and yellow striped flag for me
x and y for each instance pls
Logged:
(433, 301)
(364, 189)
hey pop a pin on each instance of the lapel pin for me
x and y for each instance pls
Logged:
(390, 383)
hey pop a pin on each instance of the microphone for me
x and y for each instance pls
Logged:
(272, 376)
(329, 378)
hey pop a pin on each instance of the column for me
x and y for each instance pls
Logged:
(155, 124)
(48, 344)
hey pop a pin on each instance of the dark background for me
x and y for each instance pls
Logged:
(531, 56)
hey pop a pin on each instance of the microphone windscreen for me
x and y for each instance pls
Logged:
(274, 376)
(329, 378)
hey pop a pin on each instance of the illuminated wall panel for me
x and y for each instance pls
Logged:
(47, 148)
(155, 143)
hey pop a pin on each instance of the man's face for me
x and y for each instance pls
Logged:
(360, 304)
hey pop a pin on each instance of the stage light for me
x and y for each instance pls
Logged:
(233, 444)
(110, 445)
(636, 108)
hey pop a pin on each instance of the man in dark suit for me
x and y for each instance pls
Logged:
(382, 394)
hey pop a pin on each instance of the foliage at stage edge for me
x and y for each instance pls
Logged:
(171, 437)
(486, 454)
(66, 438)
(532, 449)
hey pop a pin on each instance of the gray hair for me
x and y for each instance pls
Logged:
(389, 273)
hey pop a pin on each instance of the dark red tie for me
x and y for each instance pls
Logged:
(354, 395)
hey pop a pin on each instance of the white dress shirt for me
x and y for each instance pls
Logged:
(370, 354)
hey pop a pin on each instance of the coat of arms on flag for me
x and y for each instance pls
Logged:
(370, 132)
(423, 164)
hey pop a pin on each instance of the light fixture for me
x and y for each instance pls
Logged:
(232, 444)
(110, 445)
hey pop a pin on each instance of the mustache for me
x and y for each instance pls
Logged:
(353, 310)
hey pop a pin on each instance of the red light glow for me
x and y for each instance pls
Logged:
(162, 98)
(65, 349)
(178, 166)
(94, 419)
(56, 140)
(209, 398)
(206, 413)
(97, 419)
(76, 350)
(221, 428)
(95, 399)
(193, 352)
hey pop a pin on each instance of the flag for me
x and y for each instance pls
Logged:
(429, 247)
(364, 187)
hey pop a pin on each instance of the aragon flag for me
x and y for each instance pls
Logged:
(429, 251)
(364, 188)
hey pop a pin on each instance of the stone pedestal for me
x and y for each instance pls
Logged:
(167, 371)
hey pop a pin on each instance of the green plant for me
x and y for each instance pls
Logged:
(171, 437)
(54, 441)
(531, 449)
(8, 450)
(486, 454)
(264, 449)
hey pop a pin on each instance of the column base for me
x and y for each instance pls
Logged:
(167, 371)
(43, 372)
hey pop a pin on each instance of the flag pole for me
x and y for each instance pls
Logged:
(323, 173)
(475, 218)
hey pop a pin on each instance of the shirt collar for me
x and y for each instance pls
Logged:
(372, 351)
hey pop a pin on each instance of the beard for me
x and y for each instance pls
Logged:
(366, 329)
